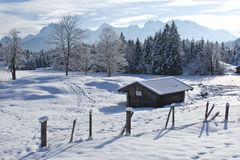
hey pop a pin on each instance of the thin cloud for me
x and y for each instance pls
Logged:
(225, 6)
(183, 3)
(30, 15)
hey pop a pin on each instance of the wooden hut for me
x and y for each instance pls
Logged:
(238, 69)
(155, 92)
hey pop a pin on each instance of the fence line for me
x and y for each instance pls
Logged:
(103, 126)
(60, 127)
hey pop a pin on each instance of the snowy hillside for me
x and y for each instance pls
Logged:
(49, 93)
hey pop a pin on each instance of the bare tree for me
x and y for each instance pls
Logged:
(82, 58)
(14, 50)
(108, 51)
(66, 35)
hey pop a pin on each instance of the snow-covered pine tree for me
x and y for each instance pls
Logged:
(27, 61)
(210, 61)
(205, 59)
(235, 60)
(192, 50)
(130, 51)
(43, 59)
(222, 52)
(186, 51)
(138, 59)
(122, 49)
(157, 53)
(225, 53)
(174, 61)
(199, 58)
(169, 61)
(148, 54)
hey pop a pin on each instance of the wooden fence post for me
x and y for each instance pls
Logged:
(128, 120)
(173, 114)
(210, 111)
(90, 125)
(168, 117)
(124, 127)
(214, 116)
(43, 121)
(73, 128)
(227, 112)
(206, 111)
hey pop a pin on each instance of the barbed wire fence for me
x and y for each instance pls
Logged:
(65, 128)
(61, 128)
(155, 120)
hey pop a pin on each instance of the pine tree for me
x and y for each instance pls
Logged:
(174, 59)
(157, 52)
(148, 54)
(186, 52)
(138, 63)
(122, 49)
(129, 55)
(192, 49)
(199, 58)
(168, 61)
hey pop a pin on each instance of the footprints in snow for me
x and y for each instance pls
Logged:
(82, 96)
(199, 154)
(211, 150)
(228, 144)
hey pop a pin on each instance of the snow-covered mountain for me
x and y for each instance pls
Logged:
(130, 32)
(39, 41)
(233, 44)
(187, 29)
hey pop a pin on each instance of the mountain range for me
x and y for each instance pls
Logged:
(186, 29)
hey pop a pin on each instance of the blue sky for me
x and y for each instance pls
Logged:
(29, 16)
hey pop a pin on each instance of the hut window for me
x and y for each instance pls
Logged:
(138, 93)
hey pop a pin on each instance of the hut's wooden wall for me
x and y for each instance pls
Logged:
(238, 70)
(151, 99)
(177, 97)
(148, 98)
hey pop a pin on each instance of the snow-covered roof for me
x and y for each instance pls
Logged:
(163, 86)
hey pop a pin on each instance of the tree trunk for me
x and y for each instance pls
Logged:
(68, 57)
(109, 73)
(67, 64)
(212, 67)
(86, 71)
(66, 69)
(66, 72)
(13, 69)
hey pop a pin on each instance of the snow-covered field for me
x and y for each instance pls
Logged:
(50, 93)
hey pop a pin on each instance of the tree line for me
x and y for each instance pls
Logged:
(162, 54)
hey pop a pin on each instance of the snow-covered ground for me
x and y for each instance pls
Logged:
(50, 93)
